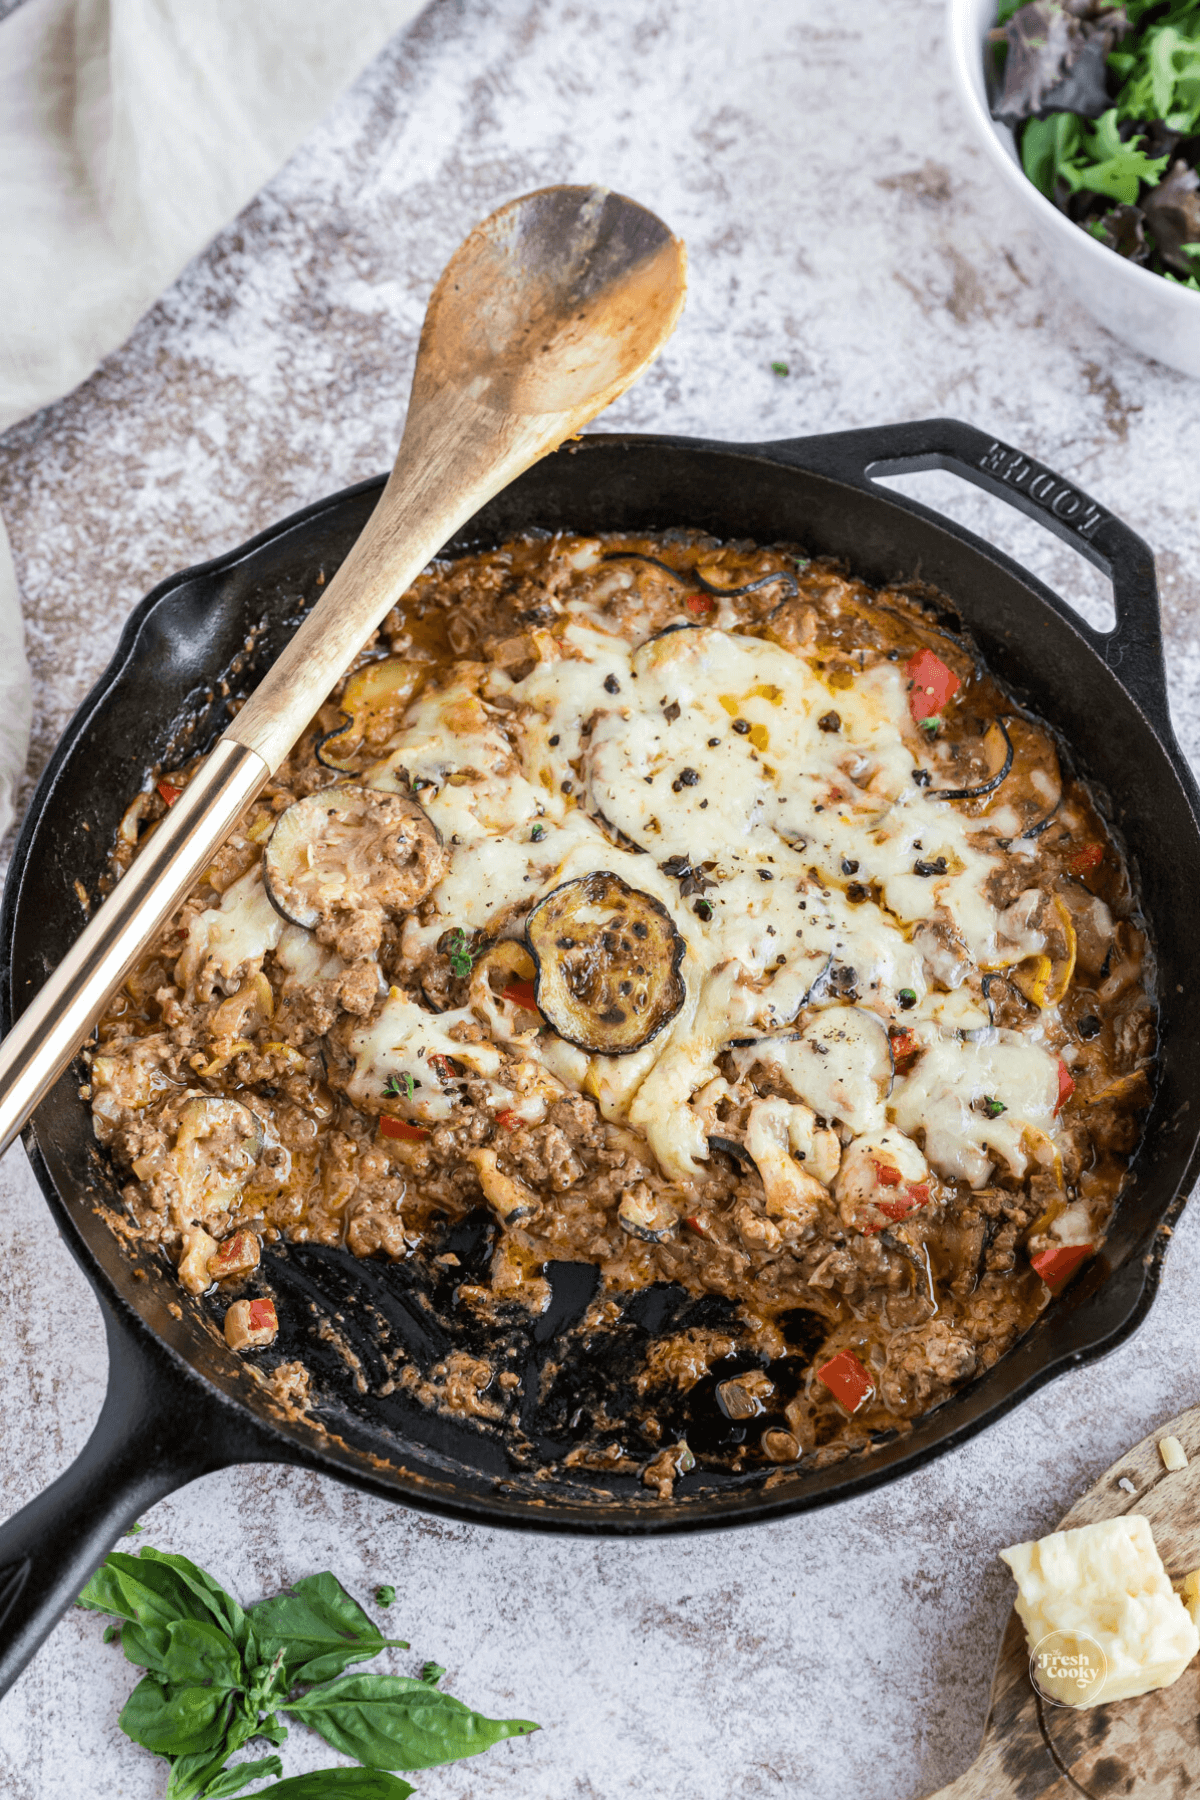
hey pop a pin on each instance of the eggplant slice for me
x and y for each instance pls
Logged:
(607, 959)
(351, 853)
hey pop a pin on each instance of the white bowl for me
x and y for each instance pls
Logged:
(1158, 317)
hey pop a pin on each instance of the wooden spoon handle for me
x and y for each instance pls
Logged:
(58, 1019)
(448, 466)
(454, 456)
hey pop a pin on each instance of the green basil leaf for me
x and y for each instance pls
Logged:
(146, 1646)
(392, 1722)
(176, 1721)
(200, 1585)
(319, 1629)
(197, 1653)
(272, 1730)
(432, 1673)
(147, 1607)
(190, 1775)
(340, 1784)
(154, 1589)
(232, 1781)
(116, 1588)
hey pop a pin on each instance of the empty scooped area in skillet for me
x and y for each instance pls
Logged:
(202, 626)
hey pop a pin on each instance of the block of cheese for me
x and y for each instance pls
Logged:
(1104, 1583)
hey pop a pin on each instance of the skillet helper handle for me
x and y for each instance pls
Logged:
(154, 1434)
(1133, 649)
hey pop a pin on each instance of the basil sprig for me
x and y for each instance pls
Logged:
(218, 1675)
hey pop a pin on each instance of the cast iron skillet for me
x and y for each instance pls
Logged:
(179, 1403)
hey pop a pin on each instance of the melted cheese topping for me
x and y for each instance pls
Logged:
(701, 751)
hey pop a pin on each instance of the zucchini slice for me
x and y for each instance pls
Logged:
(373, 700)
(607, 958)
(350, 850)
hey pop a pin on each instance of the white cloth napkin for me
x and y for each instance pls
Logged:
(131, 132)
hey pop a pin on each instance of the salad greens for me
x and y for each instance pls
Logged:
(218, 1676)
(1104, 101)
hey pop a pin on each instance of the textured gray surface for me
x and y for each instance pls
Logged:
(837, 218)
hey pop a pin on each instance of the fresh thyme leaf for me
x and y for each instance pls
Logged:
(932, 724)
(318, 1628)
(993, 1108)
(393, 1722)
(461, 959)
(780, 368)
(135, 1530)
(384, 1595)
(537, 834)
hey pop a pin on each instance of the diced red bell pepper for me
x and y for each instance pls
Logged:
(251, 1324)
(887, 1174)
(847, 1380)
(237, 1255)
(521, 993)
(697, 1223)
(903, 1044)
(699, 604)
(1057, 1265)
(390, 1127)
(262, 1316)
(169, 791)
(444, 1067)
(1066, 1086)
(933, 684)
(915, 1194)
(509, 1119)
(1087, 859)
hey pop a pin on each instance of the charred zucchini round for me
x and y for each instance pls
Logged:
(607, 959)
(350, 850)
(373, 700)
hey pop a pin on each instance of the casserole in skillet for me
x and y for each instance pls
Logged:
(180, 1401)
(684, 909)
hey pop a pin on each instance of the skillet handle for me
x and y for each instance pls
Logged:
(155, 1432)
(1133, 649)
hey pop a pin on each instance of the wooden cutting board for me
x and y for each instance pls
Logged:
(1147, 1749)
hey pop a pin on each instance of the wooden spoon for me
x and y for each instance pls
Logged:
(1147, 1748)
(549, 310)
